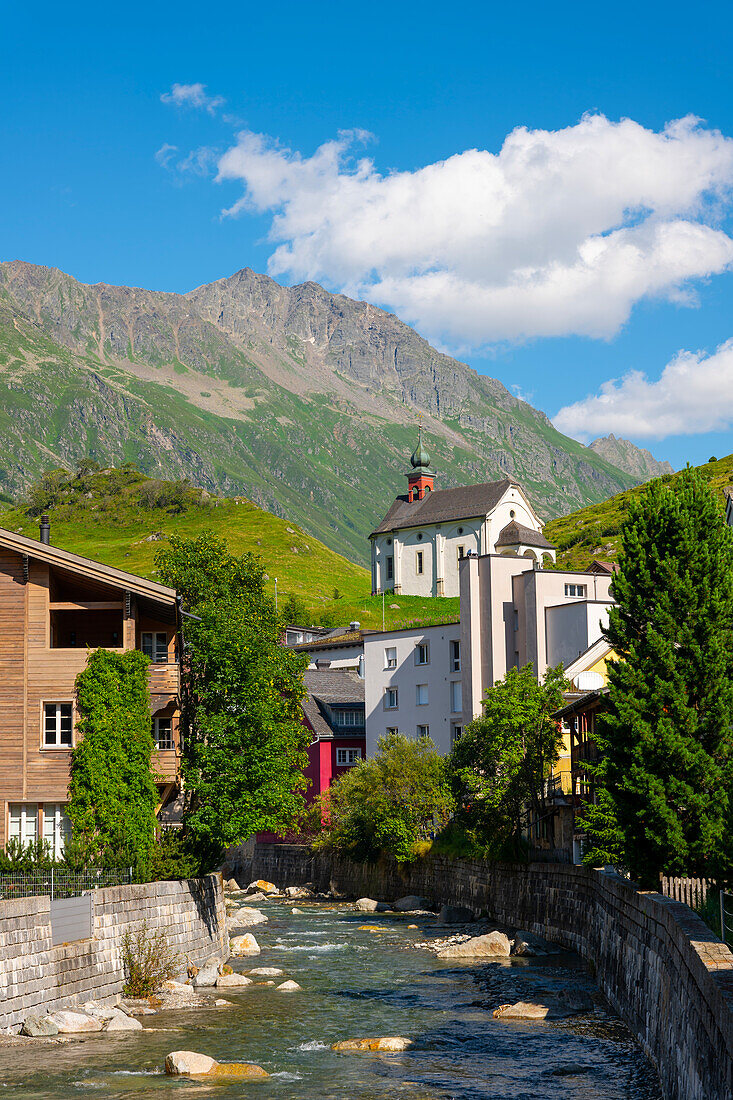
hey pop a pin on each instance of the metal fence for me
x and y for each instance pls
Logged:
(726, 917)
(57, 882)
(692, 891)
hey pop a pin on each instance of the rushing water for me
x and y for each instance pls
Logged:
(356, 984)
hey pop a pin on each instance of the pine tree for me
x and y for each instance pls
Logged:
(664, 777)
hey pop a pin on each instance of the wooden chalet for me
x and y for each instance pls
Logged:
(53, 607)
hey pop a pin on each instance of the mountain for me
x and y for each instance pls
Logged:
(305, 402)
(593, 532)
(637, 461)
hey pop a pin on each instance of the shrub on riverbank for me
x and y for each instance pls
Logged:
(390, 804)
(148, 960)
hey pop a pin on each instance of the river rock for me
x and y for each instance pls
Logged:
(71, 1023)
(122, 1022)
(181, 988)
(522, 1010)
(246, 917)
(290, 987)
(245, 945)
(221, 1003)
(266, 972)
(298, 892)
(206, 976)
(455, 914)
(263, 886)
(102, 1012)
(231, 886)
(492, 945)
(232, 981)
(188, 1063)
(253, 899)
(411, 903)
(387, 1043)
(366, 905)
(38, 1027)
(527, 943)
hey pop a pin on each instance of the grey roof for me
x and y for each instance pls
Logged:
(336, 689)
(330, 689)
(331, 641)
(516, 534)
(444, 505)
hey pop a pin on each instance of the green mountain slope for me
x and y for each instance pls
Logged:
(121, 518)
(593, 532)
(303, 401)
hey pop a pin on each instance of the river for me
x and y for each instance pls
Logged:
(356, 983)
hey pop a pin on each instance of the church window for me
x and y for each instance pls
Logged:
(389, 542)
(390, 568)
(419, 536)
(512, 514)
(461, 552)
(419, 561)
(460, 530)
(428, 488)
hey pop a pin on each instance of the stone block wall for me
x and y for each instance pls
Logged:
(658, 964)
(35, 975)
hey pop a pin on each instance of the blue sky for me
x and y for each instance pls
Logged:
(83, 189)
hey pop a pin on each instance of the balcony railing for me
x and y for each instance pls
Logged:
(164, 678)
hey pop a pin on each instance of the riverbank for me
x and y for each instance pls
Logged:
(657, 963)
(358, 983)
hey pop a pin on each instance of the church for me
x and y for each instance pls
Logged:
(417, 548)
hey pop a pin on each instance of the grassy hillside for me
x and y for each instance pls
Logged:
(121, 518)
(593, 532)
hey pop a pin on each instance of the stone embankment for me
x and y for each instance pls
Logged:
(38, 978)
(657, 963)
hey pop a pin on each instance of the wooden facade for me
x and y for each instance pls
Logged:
(54, 607)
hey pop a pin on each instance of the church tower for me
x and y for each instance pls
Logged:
(421, 477)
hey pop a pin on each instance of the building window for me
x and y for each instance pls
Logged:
(419, 561)
(346, 758)
(575, 590)
(391, 730)
(455, 656)
(163, 733)
(155, 646)
(461, 552)
(423, 731)
(421, 695)
(23, 822)
(390, 699)
(390, 568)
(455, 733)
(422, 653)
(349, 718)
(56, 828)
(57, 725)
(456, 697)
(390, 657)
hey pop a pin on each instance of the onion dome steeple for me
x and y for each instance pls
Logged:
(420, 478)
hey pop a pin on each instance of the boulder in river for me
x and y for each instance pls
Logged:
(207, 975)
(232, 981)
(262, 886)
(181, 988)
(522, 1010)
(455, 914)
(298, 892)
(245, 945)
(366, 905)
(290, 987)
(526, 943)
(266, 972)
(410, 903)
(188, 1063)
(246, 917)
(38, 1027)
(122, 1022)
(492, 945)
(72, 1023)
(389, 1044)
(231, 885)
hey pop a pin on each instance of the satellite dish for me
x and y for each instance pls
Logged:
(589, 681)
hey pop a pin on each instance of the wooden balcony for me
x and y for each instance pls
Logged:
(165, 764)
(165, 683)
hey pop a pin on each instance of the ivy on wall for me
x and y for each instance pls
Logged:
(112, 793)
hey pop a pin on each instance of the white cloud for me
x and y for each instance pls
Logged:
(192, 95)
(166, 154)
(559, 232)
(691, 396)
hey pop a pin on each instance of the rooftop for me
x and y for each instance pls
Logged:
(445, 505)
(516, 534)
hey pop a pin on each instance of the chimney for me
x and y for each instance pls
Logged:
(353, 627)
(45, 531)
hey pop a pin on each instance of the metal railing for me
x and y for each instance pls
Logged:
(726, 917)
(57, 882)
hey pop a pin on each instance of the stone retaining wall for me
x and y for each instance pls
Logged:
(36, 975)
(657, 963)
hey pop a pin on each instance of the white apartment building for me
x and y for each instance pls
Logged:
(413, 684)
(514, 614)
(418, 547)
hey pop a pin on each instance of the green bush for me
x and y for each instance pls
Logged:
(149, 960)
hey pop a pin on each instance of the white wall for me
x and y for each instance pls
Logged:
(437, 674)
(341, 657)
(572, 627)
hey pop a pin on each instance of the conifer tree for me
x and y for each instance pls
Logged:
(664, 777)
